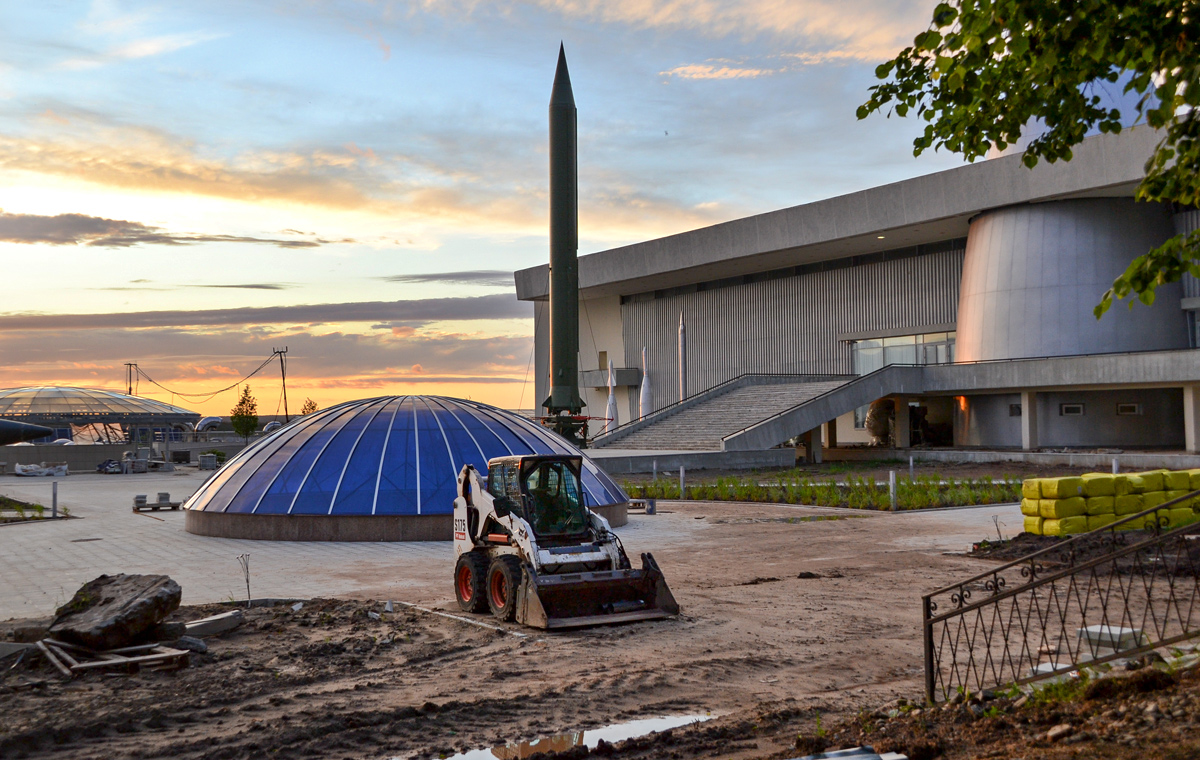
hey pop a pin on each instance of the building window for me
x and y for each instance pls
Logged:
(1129, 409)
(1070, 410)
(876, 353)
(1014, 410)
(860, 417)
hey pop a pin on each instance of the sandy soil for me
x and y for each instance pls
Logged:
(761, 642)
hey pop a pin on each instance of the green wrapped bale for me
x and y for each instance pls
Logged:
(1135, 524)
(1057, 509)
(1122, 485)
(1194, 475)
(1061, 488)
(1033, 525)
(1101, 505)
(1065, 526)
(1096, 522)
(1177, 481)
(1098, 484)
(1181, 516)
(1129, 504)
(1029, 507)
(1173, 495)
(1146, 482)
(1153, 499)
(1031, 488)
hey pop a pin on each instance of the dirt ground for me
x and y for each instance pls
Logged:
(787, 624)
(879, 470)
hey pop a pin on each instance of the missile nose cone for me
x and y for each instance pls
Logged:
(561, 94)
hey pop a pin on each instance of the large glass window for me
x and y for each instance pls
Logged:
(876, 353)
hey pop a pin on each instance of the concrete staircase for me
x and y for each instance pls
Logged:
(701, 426)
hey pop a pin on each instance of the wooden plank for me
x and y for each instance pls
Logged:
(130, 650)
(163, 656)
(71, 661)
(68, 645)
(54, 660)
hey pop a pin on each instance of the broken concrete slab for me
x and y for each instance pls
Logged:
(113, 610)
(8, 647)
(217, 624)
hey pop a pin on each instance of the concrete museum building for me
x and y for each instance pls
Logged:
(962, 298)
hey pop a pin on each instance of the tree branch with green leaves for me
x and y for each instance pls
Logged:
(983, 70)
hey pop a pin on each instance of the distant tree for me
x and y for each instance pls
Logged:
(309, 407)
(244, 416)
(985, 68)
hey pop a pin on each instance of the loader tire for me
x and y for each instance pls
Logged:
(470, 581)
(503, 582)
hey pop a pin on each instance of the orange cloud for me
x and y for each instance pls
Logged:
(420, 192)
(705, 71)
(877, 29)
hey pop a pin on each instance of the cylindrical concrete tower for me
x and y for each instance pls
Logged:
(1033, 274)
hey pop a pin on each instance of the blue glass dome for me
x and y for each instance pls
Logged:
(396, 455)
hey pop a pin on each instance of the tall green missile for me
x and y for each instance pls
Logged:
(564, 401)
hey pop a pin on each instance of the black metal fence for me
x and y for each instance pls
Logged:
(1096, 597)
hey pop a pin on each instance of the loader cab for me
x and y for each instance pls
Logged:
(546, 491)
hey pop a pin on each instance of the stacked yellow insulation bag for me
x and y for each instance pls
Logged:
(1063, 506)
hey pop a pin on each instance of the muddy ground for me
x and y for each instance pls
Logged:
(786, 622)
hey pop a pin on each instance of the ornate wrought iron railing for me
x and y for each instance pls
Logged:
(1099, 596)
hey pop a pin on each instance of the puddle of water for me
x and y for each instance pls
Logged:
(590, 738)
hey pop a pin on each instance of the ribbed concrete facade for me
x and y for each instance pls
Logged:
(1033, 274)
(787, 325)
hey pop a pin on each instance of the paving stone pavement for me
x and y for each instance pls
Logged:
(43, 563)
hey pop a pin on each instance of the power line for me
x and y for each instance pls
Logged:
(202, 397)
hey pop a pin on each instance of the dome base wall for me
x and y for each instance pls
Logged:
(342, 527)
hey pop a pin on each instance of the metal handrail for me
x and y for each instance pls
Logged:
(718, 386)
(952, 364)
(842, 387)
(1002, 649)
(1058, 548)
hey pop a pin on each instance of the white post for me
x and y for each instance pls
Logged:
(654, 468)
(682, 359)
(892, 488)
(54, 499)
(1191, 417)
(1116, 467)
(910, 469)
(682, 483)
(644, 396)
(1029, 421)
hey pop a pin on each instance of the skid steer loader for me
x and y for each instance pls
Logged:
(529, 549)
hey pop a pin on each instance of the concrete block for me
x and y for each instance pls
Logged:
(217, 624)
(1112, 637)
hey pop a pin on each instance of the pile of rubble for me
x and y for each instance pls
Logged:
(116, 622)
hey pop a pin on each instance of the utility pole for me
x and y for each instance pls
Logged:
(283, 375)
(130, 373)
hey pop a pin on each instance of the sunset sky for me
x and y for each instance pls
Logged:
(187, 185)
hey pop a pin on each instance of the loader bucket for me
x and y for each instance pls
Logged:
(579, 599)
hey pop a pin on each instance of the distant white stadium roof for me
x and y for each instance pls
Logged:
(57, 406)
